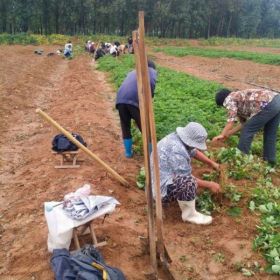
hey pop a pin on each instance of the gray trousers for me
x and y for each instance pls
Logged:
(268, 119)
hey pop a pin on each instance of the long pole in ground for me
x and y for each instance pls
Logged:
(81, 146)
(148, 99)
(146, 140)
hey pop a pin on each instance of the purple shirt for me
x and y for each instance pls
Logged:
(128, 92)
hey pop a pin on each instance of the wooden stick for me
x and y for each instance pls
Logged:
(146, 140)
(148, 101)
(82, 147)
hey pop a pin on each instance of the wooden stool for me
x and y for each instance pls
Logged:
(81, 229)
(68, 159)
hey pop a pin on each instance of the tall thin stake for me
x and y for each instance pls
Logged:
(146, 140)
(148, 102)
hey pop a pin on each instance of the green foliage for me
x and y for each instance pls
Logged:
(140, 179)
(20, 38)
(54, 39)
(219, 41)
(205, 203)
(234, 211)
(181, 98)
(232, 194)
(118, 67)
(266, 200)
(263, 58)
(241, 166)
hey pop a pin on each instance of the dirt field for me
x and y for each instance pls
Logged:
(78, 97)
(236, 74)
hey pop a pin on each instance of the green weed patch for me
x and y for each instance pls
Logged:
(220, 41)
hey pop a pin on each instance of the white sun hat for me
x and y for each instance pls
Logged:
(193, 135)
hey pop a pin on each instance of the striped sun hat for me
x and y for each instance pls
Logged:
(193, 135)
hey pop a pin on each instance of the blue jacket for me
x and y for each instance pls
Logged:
(79, 265)
(128, 92)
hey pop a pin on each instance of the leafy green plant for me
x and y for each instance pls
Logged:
(213, 176)
(140, 179)
(266, 200)
(232, 194)
(205, 203)
(234, 211)
(219, 257)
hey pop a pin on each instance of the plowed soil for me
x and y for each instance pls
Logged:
(79, 98)
(235, 74)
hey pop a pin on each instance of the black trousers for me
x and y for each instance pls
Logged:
(128, 112)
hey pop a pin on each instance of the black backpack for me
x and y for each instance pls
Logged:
(60, 143)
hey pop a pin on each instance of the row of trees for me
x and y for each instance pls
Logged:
(164, 18)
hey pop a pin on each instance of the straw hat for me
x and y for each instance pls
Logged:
(193, 135)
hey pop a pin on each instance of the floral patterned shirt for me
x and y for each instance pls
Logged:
(174, 159)
(245, 104)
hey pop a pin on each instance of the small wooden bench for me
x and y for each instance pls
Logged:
(68, 159)
(78, 231)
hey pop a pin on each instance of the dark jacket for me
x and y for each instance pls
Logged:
(128, 92)
(80, 265)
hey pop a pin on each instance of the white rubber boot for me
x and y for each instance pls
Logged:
(189, 214)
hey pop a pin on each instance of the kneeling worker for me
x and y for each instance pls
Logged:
(176, 180)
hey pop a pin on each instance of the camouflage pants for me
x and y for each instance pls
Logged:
(183, 188)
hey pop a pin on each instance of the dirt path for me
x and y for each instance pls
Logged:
(235, 74)
(78, 97)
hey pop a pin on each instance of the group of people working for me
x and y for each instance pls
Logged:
(249, 111)
(114, 49)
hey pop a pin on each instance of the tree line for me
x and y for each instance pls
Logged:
(163, 18)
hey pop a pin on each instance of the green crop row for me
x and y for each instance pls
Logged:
(179, 99)
(263, 58)
(220, 41)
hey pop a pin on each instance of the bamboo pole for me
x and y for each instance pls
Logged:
(148, 99)
(82, 147)
(146, 140)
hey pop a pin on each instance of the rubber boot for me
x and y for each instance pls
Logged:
(189, 214)
(128, 147)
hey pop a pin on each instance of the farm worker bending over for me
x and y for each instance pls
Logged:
(68, 48)
(255, 109)
(128, 105)
(175, 152)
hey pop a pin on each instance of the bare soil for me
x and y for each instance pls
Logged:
(236, 74)
(79, 98)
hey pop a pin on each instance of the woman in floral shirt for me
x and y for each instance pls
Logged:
(175, 152)
(255, 109)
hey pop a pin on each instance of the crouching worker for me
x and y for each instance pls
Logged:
(127, 104)
(256, 109)
(68, 49)
(175, 152)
